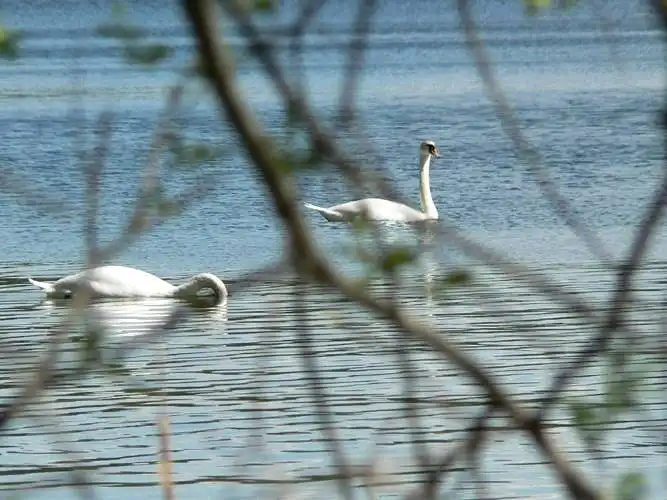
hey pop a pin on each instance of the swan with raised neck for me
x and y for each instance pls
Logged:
(378, 209)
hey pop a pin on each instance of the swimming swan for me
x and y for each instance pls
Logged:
(377, 209)
(127, 282)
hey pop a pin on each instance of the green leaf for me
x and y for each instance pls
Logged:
(397, 258)
(631, 486)
(361, 225)
(147, 55)
(586, 419)
(458, 278)
(120, 31)
(117, 369)
(532, 7)
(567, 4)
(265, 6)
(9, 43)
(620, 394)
(192, 154)
(119, 10)
(621, 382)
(169, 208)
(584, 414)
(91, 344)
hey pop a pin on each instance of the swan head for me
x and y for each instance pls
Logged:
(428, 148)
(204, 281)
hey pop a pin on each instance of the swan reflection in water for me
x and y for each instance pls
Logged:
(146, 317)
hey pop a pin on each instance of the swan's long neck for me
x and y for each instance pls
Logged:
(202, 281)
(428, 207)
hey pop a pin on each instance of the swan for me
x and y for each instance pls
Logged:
(127, 282)
(377, 209)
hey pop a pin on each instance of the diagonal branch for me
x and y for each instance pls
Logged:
(625, 275)
(218, 62)
(525, 150)
(323, 140)
(355, 59)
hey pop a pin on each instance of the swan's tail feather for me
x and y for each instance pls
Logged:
(330, 215)
(47, 287)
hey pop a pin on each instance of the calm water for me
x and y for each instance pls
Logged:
(232, 379)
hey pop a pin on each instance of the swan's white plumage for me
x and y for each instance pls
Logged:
(127, 282)
(377, 209)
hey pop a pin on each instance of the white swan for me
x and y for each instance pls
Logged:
(127, 282)
(377, 209)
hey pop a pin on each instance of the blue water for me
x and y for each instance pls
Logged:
(587, 99)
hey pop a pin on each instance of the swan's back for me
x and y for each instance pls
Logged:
(117, 281)
(378, 209)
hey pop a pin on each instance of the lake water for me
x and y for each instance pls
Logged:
(232, 379)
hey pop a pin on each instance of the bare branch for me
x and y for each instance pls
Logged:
(308, 12)
(470, 445)
(42, 373)
(296, 103)
(355, 59)
(42, 203)
(327, 422)
(323, 140)
(622, 292)
(524, 149)
(139, 221)
(93, 173)
(217, 62)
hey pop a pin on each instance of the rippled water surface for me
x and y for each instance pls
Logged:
(232, 380)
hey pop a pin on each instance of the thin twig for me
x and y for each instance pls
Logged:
(297, 104)
(43, 203)
(323, 140)
(139, 221)
(471, 443)
(622, 291)
(42, 373)
(510, 124)
(318, 391)
(165, 460)
(355, 60)
(80, 479)
(308, 12)
(217, 61)
(93, 175)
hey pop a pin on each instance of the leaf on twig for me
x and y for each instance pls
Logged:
(458, 277)
(91, 343)
(631, 486)
(619, 392)
(396, 258)
(169, 208)
(117, 369)
(533, 7)
(120, 31)
(265, 5)
(586, 419)
(361, 225)
(193, 154)
(148, 54)
(9, 43)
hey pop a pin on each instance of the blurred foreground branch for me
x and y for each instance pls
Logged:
(307, 260)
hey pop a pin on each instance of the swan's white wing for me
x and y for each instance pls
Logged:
(121, 281)
(377, 209)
